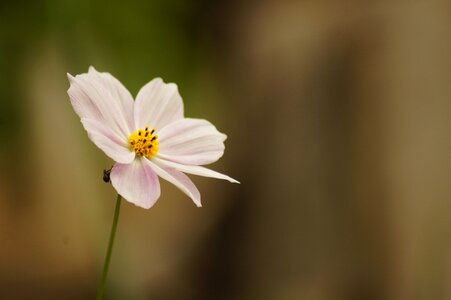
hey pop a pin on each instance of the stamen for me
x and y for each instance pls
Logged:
(144, 142)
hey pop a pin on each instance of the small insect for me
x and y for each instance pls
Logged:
(106, 175)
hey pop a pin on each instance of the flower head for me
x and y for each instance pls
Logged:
(147, 138)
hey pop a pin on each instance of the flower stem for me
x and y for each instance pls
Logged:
(106, 265)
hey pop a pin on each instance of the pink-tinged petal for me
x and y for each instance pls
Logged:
(195, 170)
(180, 180)
(101, 97)
(191, 141)
(157, 105)
(136, 182)
(107, 140)
(118, 90)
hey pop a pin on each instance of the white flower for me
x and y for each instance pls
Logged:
(146, 137)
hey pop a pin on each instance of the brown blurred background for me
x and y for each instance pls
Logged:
(338, 118)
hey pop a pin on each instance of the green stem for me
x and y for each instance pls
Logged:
(106, 265)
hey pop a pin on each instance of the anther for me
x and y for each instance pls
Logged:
(143, 143)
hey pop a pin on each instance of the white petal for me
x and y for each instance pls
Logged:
(157, 105)
(108, 141)
(180, 180)
(101, 97)
(136, 182)
(191, 141)
(195, 170)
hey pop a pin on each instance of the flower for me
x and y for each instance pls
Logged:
(147, 138)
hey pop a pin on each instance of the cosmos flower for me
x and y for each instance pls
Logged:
(147, 138)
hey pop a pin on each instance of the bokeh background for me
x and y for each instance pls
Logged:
(338, 122)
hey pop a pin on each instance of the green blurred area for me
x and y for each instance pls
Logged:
(337, 116)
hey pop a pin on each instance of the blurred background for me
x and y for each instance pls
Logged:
(338, 122)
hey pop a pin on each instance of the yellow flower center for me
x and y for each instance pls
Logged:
(144, 142)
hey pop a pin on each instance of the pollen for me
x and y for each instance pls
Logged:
(144, 142)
